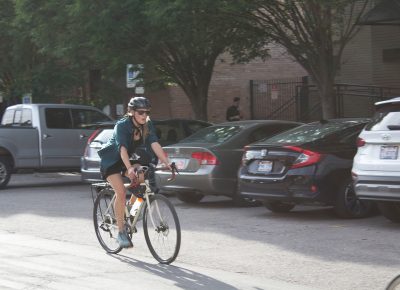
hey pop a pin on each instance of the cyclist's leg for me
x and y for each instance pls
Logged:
(152, 180)
(117, 184)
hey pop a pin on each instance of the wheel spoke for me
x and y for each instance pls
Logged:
(105, 223)
(162, 229)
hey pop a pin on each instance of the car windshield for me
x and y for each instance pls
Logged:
(384, 121)
(104, 136)
(213, 134)
(309, 132)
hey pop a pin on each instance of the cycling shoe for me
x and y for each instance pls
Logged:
(124, 241)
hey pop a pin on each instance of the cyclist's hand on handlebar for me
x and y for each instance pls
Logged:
(132, 175)
(166, 166)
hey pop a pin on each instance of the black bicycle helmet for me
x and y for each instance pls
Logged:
(139, 103)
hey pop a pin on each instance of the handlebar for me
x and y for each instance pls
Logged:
(144, 169)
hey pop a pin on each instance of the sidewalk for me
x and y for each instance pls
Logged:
(29, 262)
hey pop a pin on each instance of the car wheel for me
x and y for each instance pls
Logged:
(348, 205)
(5, 171)
(278, 206)
(190, 197)
(390, 210)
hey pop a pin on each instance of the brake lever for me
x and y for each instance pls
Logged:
(174, 169)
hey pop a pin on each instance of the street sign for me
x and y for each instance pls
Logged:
(132, 74)
(27, 99)
(139, 90)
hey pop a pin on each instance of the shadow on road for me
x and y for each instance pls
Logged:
(183, 278)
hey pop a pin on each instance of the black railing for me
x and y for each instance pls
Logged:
(294, 99)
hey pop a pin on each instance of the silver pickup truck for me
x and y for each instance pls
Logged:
(45, 137)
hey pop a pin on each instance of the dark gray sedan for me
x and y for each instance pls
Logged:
(208, 160)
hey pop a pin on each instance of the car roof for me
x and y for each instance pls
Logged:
(249, 123)
(52, 106)
(179, 119)
(343, 120)
(391, 101)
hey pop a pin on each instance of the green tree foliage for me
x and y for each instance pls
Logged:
(179, 39)
(314, 32)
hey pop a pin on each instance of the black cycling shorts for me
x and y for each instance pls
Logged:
(118, 167)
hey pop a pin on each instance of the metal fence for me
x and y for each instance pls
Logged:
(274, 99)
(294, 99)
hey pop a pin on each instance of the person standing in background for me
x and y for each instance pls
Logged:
(233, 113)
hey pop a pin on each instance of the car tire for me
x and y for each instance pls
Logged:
(190, 197)
(279, 206)
(348, 205)
(5, 171)
(390, 210)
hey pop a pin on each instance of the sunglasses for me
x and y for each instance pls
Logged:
(142, 112)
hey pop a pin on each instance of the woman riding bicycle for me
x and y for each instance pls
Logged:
(133, 130)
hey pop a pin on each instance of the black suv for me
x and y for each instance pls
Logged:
(308, 164)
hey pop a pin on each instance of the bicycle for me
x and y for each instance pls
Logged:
(161, 225)
(394, 284)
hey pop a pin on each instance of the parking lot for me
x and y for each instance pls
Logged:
(223, 246)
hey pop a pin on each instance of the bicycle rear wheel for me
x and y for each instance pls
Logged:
(394, 284)
(161, 228)
(105, 223)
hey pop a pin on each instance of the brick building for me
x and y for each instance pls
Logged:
(370, 63)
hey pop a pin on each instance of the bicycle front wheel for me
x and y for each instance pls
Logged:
(105, 223)
(394, 284)
(161, 228)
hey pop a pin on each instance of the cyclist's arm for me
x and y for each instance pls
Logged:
(157, 149)
(125, 158)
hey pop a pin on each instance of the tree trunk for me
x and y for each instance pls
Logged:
(328, 100)
(199, 101)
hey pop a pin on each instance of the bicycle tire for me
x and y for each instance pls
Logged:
(164, 238)
(105, 225)
(394, 284)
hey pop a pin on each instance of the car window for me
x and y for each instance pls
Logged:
(26, 118)
(383, 121)
(104, 136)
(268, 131)
(87, 119)
(214, 134)
(168, 132)
(311, 132)
(57, 118)
(8, 117)
(21, 117)
(193, 127)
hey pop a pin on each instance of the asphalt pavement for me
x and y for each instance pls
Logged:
(40, 261)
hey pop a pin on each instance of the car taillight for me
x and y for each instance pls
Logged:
(205, 158)
(360, 142)
(306, 157)
(91, 137)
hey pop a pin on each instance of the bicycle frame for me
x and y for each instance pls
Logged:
(148, 192)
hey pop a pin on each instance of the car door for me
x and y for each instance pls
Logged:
(58, 139)
(65, 132)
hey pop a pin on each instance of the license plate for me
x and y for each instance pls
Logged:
(389, 152)
(181, 163)
(265, 166)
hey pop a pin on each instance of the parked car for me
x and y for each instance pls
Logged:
(209, 159)
(376, 168)
(308, 164)
(168, 131)
(45, 137)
